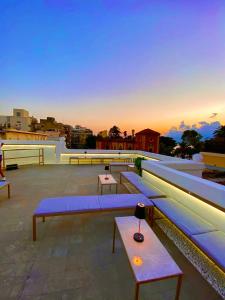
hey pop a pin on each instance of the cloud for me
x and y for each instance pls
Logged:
(204, 128)
(213, 115)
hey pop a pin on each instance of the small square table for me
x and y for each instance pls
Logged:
(109, 181)
(149, 260)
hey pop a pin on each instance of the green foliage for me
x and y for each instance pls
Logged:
(166, 145)
(137, 163)
(191, 144)
(90, 142)
(217, 143)
(220, 132)
(191, 138)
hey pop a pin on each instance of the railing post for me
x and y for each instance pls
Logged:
(3, 159)
(43, 157)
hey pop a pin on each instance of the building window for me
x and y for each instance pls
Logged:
(18, 114)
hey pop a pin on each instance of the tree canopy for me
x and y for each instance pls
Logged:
(191, 138)
(220, 132)
(166, 145)
(114, 132)
(90, 142)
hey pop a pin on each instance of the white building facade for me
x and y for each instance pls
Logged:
(20, 120)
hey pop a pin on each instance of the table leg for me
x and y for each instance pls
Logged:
(101, 189)
(116, 188)
(179, 281)
(136, 291)
(34, 228)
(110, 187)
(43, 219)
(114, 236)
(120, 179)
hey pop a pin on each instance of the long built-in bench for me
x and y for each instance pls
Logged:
(71, 205)
(140, 186)
(205, 235)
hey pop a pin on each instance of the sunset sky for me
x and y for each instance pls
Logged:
(134, 63)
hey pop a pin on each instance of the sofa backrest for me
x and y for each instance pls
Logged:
(189, 191)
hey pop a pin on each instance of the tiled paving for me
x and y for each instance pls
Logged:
(72, 257)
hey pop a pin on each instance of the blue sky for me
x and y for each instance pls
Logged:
(136, 64)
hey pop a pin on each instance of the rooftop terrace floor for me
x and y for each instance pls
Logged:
(72, 257)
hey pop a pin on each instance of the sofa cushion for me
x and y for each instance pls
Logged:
(213, 244)
(115, 201)
(67, 204)
(137, 181)
(3, 184)
(185, 219)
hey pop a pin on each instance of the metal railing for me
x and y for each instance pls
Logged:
(39, 155)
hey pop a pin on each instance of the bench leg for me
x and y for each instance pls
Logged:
(8, 190)
(34, 228)
(179, 281)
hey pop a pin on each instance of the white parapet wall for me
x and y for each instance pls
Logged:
(26, 152)
(205, 198)
(55, 152)
(187, 166)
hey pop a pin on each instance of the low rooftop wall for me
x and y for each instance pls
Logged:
(214, 159)
(55, 152)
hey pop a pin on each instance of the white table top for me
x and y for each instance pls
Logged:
(149, 260)
(110, 179)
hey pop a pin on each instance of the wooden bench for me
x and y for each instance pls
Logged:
(101, 160)
(71, 205)
(5, 184)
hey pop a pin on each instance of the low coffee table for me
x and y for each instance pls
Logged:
(149, 260)
(109, 181)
